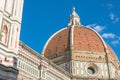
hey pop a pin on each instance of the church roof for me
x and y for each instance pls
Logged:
(78, 38)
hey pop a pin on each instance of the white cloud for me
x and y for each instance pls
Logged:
(91, 25)
(99, 28)
(96, 27)
(114, 42)
(113, 17)
(115, 39)
(108, 35)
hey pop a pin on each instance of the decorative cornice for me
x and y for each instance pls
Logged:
(29, 49)
(43, 58)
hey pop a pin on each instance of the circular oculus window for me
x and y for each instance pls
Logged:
(91, 70)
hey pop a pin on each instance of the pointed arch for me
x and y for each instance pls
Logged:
(4, 34)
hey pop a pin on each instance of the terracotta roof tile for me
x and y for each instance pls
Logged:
(58, 44)
(87, 40)
(84, 39)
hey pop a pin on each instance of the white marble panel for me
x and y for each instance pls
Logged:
(2, 3)
(9, 6)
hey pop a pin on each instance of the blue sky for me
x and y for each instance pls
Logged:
(42, 18)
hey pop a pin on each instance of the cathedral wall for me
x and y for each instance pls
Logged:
(32, 66)
(66, 66)
(118, 74)
(50, 71)
(100, 70)
(28, 63)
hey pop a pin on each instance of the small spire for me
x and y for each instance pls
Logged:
(74, 18)
(73, 9)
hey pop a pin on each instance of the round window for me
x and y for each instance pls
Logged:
(91, 70)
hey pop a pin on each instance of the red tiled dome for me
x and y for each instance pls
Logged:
(84, 39)
(59, 43)
(76, 38)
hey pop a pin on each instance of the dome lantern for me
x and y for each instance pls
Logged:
(74, 18)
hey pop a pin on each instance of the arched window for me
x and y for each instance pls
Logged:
(4, 34)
